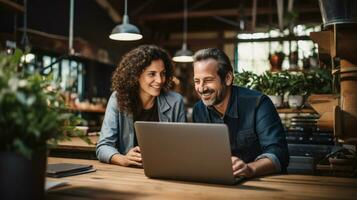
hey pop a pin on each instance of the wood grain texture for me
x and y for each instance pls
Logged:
(115, 182)
(77, 143)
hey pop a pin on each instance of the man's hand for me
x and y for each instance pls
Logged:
(240, 168)
(132, 158)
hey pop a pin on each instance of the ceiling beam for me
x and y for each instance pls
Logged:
(222, 13)
(219, 40)
(113, 14)
(195, 42)
(12, 6)
(142, 7)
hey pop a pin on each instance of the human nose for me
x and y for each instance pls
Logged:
(201, 86)
(159, 78)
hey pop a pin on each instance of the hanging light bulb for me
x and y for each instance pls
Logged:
(184, 55)
(125, 31)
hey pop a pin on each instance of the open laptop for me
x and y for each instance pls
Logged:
(186, 151)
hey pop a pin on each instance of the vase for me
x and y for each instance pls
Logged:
(22, 178)
(338, 11)
(295, 101)
(277, 100)
(276, 61)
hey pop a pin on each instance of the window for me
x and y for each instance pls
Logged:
(253, 49)
(68, 73)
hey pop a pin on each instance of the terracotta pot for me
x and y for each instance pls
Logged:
(276, 61)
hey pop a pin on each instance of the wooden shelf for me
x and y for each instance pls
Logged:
(77, 143)
(294, 110)
(89, 110)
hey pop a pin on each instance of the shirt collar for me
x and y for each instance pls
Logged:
(232, 109)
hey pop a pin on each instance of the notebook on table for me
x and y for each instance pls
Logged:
(67, 169)
(186, 151)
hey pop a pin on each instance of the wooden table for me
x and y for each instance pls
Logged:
(115, 182)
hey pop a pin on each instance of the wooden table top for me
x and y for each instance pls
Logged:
(115, 182)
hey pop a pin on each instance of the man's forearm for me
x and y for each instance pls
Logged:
(262, 167)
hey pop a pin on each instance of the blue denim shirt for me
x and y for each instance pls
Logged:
(117, 133)
(254, 126)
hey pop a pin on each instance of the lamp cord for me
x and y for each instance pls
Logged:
(126, 8)
(185, 23)
(25, 39)
(70, 39)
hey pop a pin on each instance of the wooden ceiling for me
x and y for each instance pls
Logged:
(158, 20)
(166, 16)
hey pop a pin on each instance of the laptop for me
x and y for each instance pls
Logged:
(186, 151)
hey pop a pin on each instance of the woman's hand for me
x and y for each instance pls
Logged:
(132, 158)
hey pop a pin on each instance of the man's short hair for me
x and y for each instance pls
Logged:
(224, 64)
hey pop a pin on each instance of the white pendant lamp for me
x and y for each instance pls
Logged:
(125, 31)
(184, 55)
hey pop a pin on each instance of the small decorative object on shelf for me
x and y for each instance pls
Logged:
(276, 61)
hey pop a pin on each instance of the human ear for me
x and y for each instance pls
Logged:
(229, 79)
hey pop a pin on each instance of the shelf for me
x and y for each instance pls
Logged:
(89, 110)
(294, 110)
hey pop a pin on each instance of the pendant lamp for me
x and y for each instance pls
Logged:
(125, 31)
(184, 54)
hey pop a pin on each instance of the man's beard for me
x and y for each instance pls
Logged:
(217, 99)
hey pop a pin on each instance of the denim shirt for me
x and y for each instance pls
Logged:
(117, 132)
(254, 125)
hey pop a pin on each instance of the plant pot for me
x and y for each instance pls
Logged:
(295, 101)
(338, 11)
(277, 100)
(22, 178)
(276, 61)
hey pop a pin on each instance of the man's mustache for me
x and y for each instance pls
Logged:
(206, 91)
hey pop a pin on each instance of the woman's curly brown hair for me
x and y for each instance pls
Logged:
(125, 80)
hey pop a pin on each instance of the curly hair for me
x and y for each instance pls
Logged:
(125, 80)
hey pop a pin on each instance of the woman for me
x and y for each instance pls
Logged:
(140, 93)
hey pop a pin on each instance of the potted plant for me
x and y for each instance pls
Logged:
(338, 12)
(274, 85)
(276, 60)
(33, 114)
(319, 81)
(297, 89)
(246, 79)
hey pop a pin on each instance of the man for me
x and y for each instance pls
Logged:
(257, 137)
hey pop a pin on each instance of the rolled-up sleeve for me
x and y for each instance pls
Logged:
(271, 135)
(109, 135)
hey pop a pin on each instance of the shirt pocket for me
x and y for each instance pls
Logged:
(246, 138)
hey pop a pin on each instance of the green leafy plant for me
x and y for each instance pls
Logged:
(273, 83)
(32, 110)
(297, 84)
(319, 81)
(246, 79)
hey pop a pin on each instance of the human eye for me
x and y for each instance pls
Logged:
(151, 74)
(208, 80)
